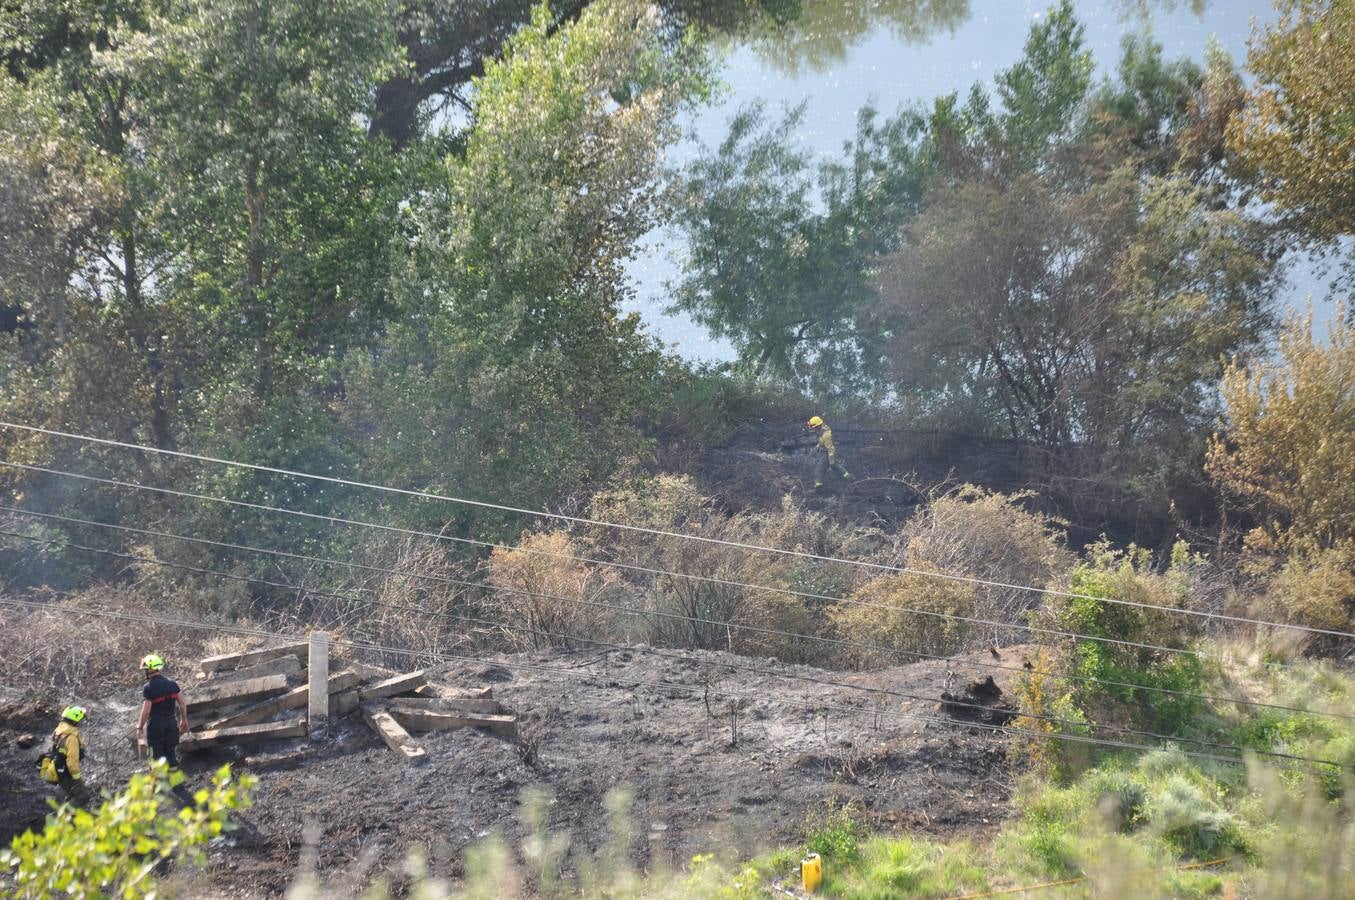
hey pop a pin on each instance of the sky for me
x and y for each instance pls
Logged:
(890, 72)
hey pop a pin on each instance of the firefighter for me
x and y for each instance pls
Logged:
(826, 453)
(61, 766)
(164, 715)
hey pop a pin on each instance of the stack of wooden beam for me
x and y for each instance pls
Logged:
(259, 695)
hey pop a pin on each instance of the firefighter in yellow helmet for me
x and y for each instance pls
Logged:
(825, 452)
(61, 765)
(164, 715)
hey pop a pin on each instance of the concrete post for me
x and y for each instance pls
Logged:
(317, 712)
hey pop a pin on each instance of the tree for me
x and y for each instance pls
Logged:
(1056, 288)
(279, 208)
(448, 44)
(796, 35)
(1287, 453)
(514, 373)
(1295, 135)
(114, 851)
(780, 255)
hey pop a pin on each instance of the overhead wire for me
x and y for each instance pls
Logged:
(436, 536)
(657, 532)
(611, 645)
(667, 685)
(642, 613)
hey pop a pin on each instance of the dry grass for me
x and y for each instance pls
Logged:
(55, 650)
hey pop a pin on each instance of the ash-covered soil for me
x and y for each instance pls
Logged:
(891, 469)
(706, 774)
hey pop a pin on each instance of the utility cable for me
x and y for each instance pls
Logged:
(657, 532)
(625, 610)
(679, 657)
(725, 582)
(665, 685)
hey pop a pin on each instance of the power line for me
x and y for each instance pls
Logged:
(879, 648)
(657, 532)
(337, 520)
(301, 590)
(665, 685)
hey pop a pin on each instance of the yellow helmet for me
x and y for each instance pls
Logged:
(815, 421)
(74, 714)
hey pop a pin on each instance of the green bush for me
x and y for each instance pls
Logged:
(1107, 573)
(115, 850)
(835, 835)
(1120, 797)
(1190, 819)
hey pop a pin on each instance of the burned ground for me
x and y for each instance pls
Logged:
(705, 774)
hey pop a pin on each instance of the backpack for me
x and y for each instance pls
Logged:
(52, 764)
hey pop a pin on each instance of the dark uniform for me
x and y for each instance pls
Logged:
(162, 728)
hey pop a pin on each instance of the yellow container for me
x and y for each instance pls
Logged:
(811, 872)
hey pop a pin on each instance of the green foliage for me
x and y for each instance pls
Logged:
(704, 406)
(909, 867)
(780, 250)
(1294, 137)
(1048, 706)
(116, 849)
(1127, 575)
(836, 834)
(795, 35)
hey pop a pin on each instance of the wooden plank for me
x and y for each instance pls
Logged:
(287, 665)
(250, 657)
(448, 704)
(425, 720)
(344, 703)
(276, 760)
(433, 691)
(317, 707)
(394, 737)
(296, 698)
(211, 696)
(400, 684)
(244, 734)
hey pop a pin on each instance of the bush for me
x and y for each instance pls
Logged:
(547, 592)
(1314, 587)
(1128, 575)
(835, 834)
(687, 612)
(1191, 820)
(1120, 797)
(1048, 707)
(988, 535)
(115, 850)
(898, 617)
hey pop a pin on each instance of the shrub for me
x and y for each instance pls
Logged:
(1048, 707)
(1120, 797)
(687, 611)
(988, 535)
(542, 590)
(898, 616)
(114, 851)
(1314, 586)
(1128, 575)
(1191, 820)
(835, 834)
